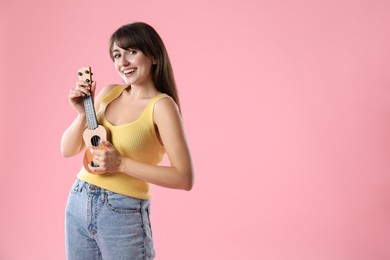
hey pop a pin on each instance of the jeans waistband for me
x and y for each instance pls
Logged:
(91, 188)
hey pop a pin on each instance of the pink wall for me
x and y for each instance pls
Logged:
(286, 106)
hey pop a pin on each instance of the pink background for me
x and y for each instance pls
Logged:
(286, 106)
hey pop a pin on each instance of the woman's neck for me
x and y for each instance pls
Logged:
(136, 92)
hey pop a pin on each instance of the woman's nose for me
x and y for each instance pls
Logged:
(123, 61)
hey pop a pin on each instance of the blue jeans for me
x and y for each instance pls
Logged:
(101, 224)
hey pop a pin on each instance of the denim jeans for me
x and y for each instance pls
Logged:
(101, 224)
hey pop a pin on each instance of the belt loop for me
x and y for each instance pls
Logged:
(81, 185)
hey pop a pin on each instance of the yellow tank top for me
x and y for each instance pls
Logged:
(137, 140)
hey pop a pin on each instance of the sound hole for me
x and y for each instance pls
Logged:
(95, 140)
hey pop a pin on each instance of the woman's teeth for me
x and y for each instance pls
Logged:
(128, 71)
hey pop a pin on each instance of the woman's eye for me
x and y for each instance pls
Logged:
(132, 52)
(117, 56)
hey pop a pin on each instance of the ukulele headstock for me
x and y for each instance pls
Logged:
(85, 74)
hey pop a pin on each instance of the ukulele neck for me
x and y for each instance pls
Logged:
(90, 113)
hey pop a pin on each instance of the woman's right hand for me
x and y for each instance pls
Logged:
(76, 95)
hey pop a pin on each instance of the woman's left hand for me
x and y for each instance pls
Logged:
(108, 158)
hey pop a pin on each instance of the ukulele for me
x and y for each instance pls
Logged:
(94, 134)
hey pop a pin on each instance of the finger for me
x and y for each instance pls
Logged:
(97, 152)
(96, 170)
(78, 92)
(83, 84)
(75, 93)
(83, 87)
(107, 144)
(93, 169)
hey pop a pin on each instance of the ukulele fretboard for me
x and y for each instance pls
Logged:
(90, 113)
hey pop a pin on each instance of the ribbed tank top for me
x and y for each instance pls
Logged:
(137, 140)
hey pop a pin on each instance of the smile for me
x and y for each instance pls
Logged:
(128, 72)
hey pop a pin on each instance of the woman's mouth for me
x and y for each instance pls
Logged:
(128, 72)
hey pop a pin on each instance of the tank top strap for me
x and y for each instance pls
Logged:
(113, 94)
(150, 107)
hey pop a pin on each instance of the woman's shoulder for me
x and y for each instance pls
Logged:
(164, 101)
(165, 107)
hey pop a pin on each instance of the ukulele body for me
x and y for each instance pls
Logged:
(93, 139)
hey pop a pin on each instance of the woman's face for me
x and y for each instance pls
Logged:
(132, 65)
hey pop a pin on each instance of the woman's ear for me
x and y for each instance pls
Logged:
(154, 60)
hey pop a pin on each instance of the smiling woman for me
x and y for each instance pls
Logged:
(146, 39)
(144, 122)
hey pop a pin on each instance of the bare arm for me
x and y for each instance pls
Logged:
(177, 176)
(72, 139)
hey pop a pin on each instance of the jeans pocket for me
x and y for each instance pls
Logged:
(122, 204)
(75, 187)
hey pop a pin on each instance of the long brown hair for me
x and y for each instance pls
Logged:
(143, 37)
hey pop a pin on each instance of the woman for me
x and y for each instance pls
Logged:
(107, 215)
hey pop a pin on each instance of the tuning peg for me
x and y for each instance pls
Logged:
(80, 74)
(87, 80)
(87, 72)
